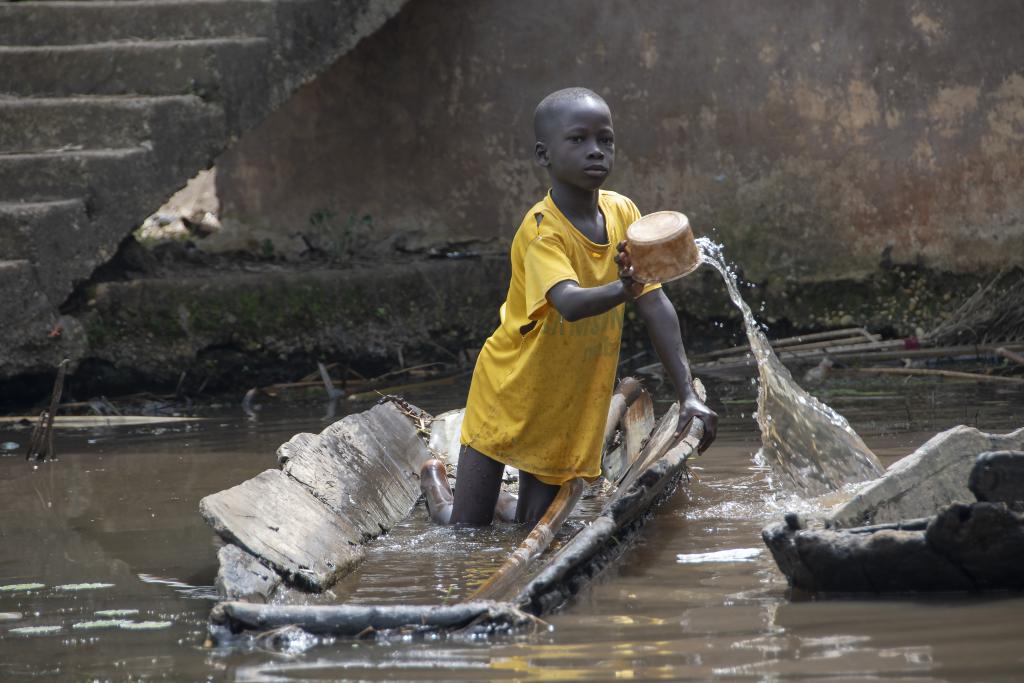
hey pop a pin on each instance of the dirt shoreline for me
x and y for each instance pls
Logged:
(233, 323)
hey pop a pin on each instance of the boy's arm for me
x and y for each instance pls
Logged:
(663, 327)
(574, 302)
(662, 323)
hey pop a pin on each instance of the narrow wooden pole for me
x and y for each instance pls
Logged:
(505, 577)
(1006, 353)
(952, 374)
(41, 445)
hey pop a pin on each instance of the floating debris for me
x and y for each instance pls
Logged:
(145, 625)
(35, 630)
(732, 555)
(99, 623)
(82, 586)
(116, 612)
(186, 589)
(22, 587)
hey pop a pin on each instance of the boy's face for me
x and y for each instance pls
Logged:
(579, 144)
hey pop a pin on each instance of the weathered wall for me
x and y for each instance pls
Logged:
(817, 140)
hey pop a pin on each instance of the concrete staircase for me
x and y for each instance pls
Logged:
(108, 107)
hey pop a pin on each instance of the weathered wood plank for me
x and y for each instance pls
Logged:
(930, 478)
(276, 519)
(365, 467)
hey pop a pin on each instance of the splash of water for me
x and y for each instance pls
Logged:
(807, 444)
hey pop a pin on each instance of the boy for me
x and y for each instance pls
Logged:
(543, 381)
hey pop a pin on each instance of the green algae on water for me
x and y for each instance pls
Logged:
(98, 624)
(116, 612)
(82, 586)
(145, 625)
(22, 586)
(35, 630)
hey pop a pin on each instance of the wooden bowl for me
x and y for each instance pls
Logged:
(661, 247)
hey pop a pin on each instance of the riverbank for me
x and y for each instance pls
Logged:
(181, 320)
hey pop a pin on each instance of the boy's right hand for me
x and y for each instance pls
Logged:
(632, 287)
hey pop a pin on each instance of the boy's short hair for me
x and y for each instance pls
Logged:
(550, 105)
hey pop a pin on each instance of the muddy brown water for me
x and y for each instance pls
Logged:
(698, 597)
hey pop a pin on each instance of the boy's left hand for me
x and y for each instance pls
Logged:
(633, 288)
(693, 407)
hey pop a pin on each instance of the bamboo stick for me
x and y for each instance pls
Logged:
(627, 392)
(954, 374)
(381, 391)
(499, 583)
(81, 421)
(41, 444)
(853, 355)
(847, 333)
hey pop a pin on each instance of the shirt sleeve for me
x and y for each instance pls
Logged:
(546, 264)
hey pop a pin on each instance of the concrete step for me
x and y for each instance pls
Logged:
(39, 124)
(211, 69)
(19, 220)
(73, 23)
(50, 235)
(45, 176)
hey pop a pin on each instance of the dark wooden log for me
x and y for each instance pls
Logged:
(352, 620)
(608, 535)
(998, 476)
(985, 540)
(963, 548)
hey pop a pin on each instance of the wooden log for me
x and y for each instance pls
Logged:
(352, 620)
(501, 581)
(661, 247)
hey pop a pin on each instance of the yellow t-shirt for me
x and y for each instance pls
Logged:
(541, 388)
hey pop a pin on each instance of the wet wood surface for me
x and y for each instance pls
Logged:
(274, 518)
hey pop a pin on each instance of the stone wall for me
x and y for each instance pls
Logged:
(820, 141)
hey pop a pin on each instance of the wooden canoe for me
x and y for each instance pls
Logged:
(309, 532)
